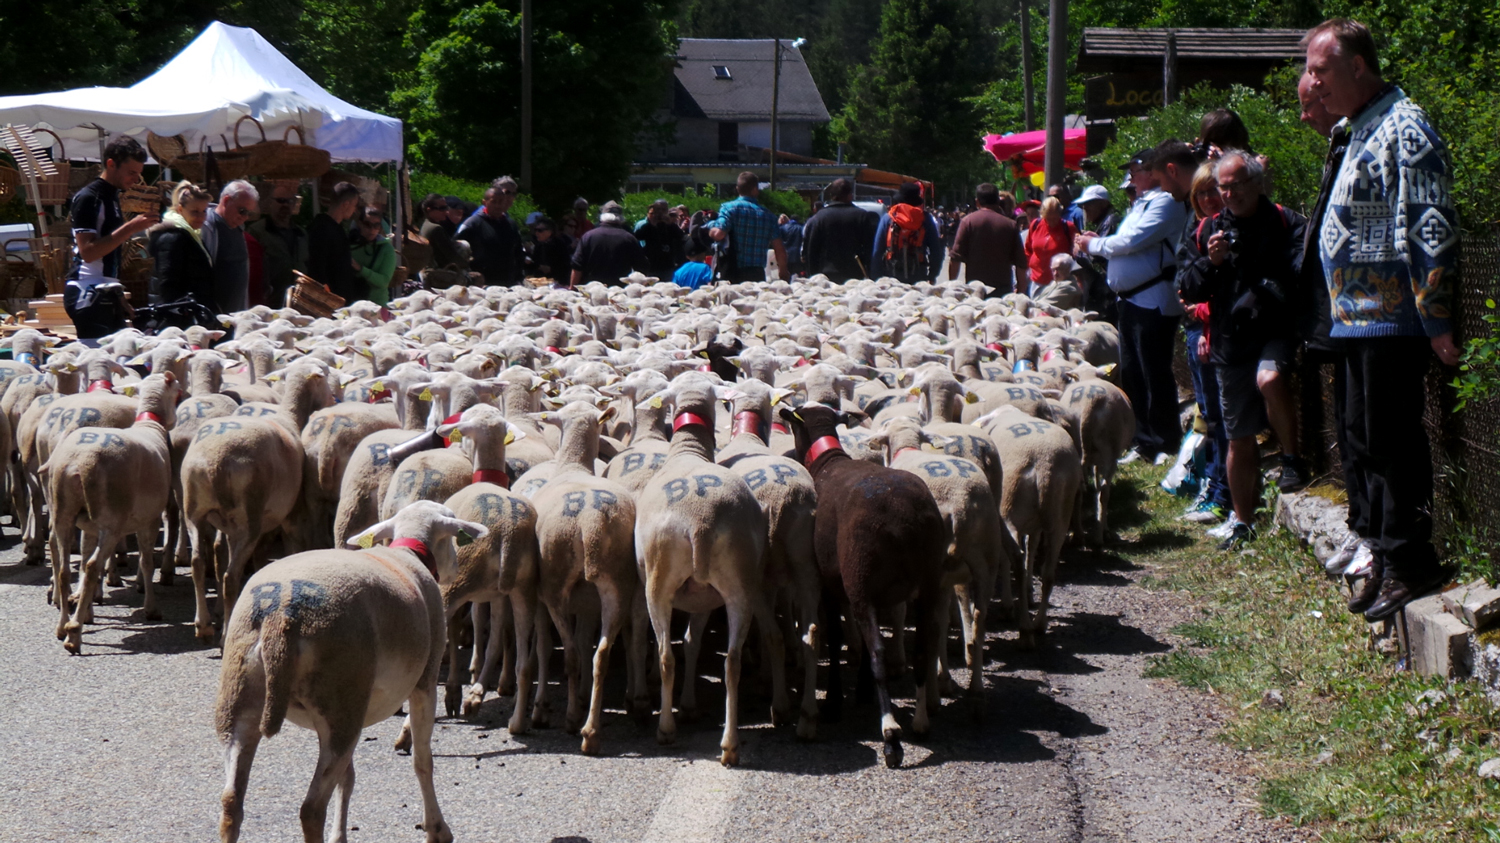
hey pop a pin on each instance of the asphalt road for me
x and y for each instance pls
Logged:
(118, 745)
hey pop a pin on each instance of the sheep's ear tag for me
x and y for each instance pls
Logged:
(366, 541)
(129, 392)
(456, 435)
(915, 390)
(510, 436)
(425, 395)
(655, 402)
(464, 539)
(377, 387)
(273, 377)
(971, 397)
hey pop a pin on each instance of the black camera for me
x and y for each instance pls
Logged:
(1232, 238)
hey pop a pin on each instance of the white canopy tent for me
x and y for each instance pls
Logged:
(225, 73)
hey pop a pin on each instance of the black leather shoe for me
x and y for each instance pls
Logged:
(1364, 595)
(1396, 593)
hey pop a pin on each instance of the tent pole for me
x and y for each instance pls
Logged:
(315, 207)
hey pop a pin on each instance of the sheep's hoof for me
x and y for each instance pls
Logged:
(140, 586)
(61, 631)
(781, 716)
(167, 577)
(946, 686)
(730, 756)
(541, 718)
(113, 579)
(688, 713)
(204, 632)
(506, 689)
(590, 743)
(807, 728)
(439, 833)
(74, 642)
(403, 741)
(665, 737)
(893, 753)
(473, 699)
(151, 614)
(518, 724)
(451, 701)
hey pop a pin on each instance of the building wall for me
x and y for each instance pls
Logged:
(697, 140)
(794, 137)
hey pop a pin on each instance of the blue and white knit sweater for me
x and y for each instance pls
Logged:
(1389, 240)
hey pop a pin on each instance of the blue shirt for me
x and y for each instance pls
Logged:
(752, 229)
(693, 275)
(1145, 245)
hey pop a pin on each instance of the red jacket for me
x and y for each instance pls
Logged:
(1043, 242)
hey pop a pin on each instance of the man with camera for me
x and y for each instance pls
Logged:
(1252, 255)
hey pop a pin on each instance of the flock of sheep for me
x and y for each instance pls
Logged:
(812, 457)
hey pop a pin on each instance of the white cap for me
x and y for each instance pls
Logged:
(1093, 193)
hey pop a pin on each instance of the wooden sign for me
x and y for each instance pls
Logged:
(1121, 95)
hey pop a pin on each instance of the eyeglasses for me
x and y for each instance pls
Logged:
(1235, 186)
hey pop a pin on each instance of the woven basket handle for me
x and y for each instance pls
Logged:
(237, 130)
(62, 151)
(203, 141)
(301, 138)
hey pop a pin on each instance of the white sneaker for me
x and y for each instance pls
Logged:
(1343, 556)
(1363, 563)
(1162, 458)
(1225, 530)
(1131, 456)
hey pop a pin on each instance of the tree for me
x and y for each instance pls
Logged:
(911, 108)
(602, 70)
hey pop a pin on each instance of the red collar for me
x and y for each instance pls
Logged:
(823, 445)
(686, 419)
(1048, 355)
(423, 554)
(492, 475)
(748, 421)
(995, 346)
(102, 386)
(705, 368)
(195, 348)
(552, 348)
(453, 419)
(778, 427)
(148, 417)
(376, 395)
(802, 362)
(900, 451)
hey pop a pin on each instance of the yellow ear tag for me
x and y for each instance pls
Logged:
(378, 388)
(425, 395)
(916, 390)
(456, 436)
(971, 398)
(129, 392)
(775, 399)
(366, 541)
(273, 377)
(510, 436)
(655, 402)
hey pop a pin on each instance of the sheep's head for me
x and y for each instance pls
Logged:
(431, 525)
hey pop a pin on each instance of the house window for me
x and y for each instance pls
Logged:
(722, 72)
(729, 137)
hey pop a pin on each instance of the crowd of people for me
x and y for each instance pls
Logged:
(1202, 251)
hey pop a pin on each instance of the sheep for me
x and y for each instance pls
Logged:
(584, 530)
(110, 483)
(328, 441)
(700, 541)
(334, 641)
(1042, 472)
(368, 473)
(501, 566)
(979, 548)
(878, 536)
(1106, 426)
(242, 476)
(637, 464)
(202, 404)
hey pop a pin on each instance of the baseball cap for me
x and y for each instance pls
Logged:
(611, 211)
(1093, 193)
(1140, 159)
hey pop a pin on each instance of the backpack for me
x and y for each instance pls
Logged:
(906, 250)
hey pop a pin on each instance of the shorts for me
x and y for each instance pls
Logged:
(1240, 401)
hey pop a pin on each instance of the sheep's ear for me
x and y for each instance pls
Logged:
(940, 442)
(607, 414)
(851, 418)
(914, 390)
(378, 533)
(778, 394)
(970, 396)
(128, 390)
(1107, 369)
(464, 532)
(215, 335)
(876, 441)
(514, 434)
(139, 360)
(790, 415)
(1052, 393)
(727, 393)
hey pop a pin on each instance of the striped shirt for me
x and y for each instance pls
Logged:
(752, 229)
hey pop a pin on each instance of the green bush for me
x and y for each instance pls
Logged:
(778, 202)
(469, 191)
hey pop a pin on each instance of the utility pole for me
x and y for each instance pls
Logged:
(775, 108)
(1169, 70)
(1057, 90)
(1028, 73)
(526, 95)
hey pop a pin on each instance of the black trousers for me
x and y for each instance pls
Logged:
(1146, 340)
(95, 320)
(1384, 396)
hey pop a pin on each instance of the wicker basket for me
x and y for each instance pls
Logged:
(265, 155)
(53, 190)
(141, 199)
(136, 267)
(52, 257)
(442, 279)
(298, 160)
(166, 150)
(232, 165)
(20, 279)
(416, 250)
(311, 298)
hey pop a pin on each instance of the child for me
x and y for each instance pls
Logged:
(696, 272)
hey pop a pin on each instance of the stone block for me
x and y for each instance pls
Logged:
(1437, 642)
(1476, 603)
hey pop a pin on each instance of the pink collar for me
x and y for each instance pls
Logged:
(424, 555)
(995, 346)
(685, 419)
(823, 445)
(900, 451)
(492, 475)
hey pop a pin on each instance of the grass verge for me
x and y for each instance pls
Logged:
(1355, 750)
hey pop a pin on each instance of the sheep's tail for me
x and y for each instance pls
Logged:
(275, 656)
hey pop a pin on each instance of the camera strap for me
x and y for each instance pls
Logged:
(1166, 273)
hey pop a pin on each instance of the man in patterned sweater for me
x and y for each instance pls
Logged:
(1389, 246)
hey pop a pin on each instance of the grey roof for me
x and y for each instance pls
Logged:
(1101, 44)
(746, 95)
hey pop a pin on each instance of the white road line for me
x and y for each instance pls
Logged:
(697, 804)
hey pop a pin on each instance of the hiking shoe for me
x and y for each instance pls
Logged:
(1241, 534)
(1224, 530)
(1131, 456)
(1207, 512)
(1293, 474)
(1395, 593)
(1364, 596)
(1341, 558)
